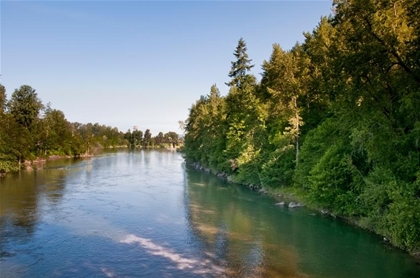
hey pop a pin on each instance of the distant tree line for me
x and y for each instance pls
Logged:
(335, 118)
(29, 130)
(136, 138)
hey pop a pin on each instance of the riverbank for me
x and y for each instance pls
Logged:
(130, 203)
(295, 198)
(293, 195)
(10, 164)
(39, 161)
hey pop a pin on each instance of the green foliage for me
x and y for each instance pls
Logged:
(147, 139)
(317, 142)
(8, 163)
(392, 207)
(336, 117)
(29, 130)
(403, 220)
(277, 170)
(137, 137)
(56, 134)
(333, 182)
(2, 99)
(25, 106)
(171, 137)
(241, 66)
(205, 131)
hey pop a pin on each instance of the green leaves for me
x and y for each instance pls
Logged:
(336, 116)
(205, 135)
(25, 106)
(2, 99)
(29, 130)
(241, 66)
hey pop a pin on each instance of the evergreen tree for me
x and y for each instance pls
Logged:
(241, 66)
(354, 82)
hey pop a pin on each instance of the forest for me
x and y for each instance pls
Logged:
(335, 118)
(30, 130)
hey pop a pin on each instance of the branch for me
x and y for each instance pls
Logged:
(391, 50)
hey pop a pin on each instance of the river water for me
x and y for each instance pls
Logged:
(146, 214)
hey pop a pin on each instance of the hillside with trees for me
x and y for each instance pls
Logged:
(30, 130)
(335, 118)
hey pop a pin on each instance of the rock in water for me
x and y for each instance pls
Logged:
(295, 205)
(325, 211)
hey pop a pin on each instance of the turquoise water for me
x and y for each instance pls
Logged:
(145, 214)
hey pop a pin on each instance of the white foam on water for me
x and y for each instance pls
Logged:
(108, 272)
(182, 263)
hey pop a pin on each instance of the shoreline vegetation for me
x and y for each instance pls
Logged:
(31, 131)
(31, 164)
(334, 120)
(295, 198)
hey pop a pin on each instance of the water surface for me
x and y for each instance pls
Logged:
(144, 214)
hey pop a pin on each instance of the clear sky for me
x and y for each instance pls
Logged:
(139, 63)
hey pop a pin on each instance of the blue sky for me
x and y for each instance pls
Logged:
(139, 63)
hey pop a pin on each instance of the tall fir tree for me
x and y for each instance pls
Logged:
(241, 66)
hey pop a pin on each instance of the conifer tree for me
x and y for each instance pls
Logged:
(241, 66)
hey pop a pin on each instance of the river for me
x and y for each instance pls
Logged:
(146, 214)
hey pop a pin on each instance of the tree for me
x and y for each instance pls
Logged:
(128, 136)
(58, 132)
(204, 131)
(159, 138)
(285, 79)
(2, 99)
(137, 137)
(181, 125)
(8, 160)
(171, 137)
(241, 66)
(25, 106)
(147, 141)
(355, 83)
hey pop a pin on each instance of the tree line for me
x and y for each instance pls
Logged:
(30, 130)
(335, 118)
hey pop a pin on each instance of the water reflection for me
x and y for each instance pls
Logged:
(141, 213)
(232, 225)
(251, 237)
(18, 209)
(22, 196)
